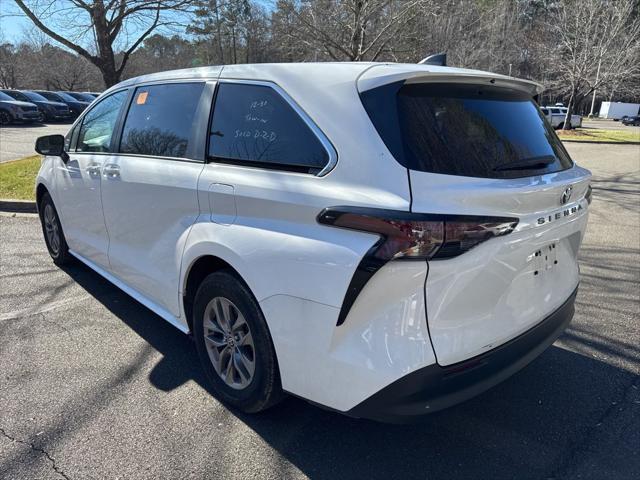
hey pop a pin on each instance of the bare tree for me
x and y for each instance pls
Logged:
(598, 44)
(93, 29)
(348, 29)
(8, 66)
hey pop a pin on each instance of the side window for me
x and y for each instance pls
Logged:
(98, 124)
(545, 111)
(160, 120)
(254, 125)
(555, 110)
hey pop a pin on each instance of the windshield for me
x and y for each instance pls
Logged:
(17, 95)
(5, 97)
(83, 97)
(67, 97)
(35, 97)
(466, 130)
(50, 96)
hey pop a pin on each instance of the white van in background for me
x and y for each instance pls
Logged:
(557, 115)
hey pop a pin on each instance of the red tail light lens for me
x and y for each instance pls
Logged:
(407, 235)
(402, 238)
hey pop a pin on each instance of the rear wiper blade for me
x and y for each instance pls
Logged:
(533, 163)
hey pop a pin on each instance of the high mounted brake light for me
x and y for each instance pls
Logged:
(410, 236)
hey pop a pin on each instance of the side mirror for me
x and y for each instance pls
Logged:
(52, 145)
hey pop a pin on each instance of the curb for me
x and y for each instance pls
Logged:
(18, 206)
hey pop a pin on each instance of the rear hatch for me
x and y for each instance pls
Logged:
(481, 148)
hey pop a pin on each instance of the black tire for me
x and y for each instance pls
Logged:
(5, 118)
(264, 389)
(561, 126)
(52, 231)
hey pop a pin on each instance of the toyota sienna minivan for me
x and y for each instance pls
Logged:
(383, 240)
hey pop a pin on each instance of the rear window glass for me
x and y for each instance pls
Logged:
(466, 130)
(253, 125)
(160, 120)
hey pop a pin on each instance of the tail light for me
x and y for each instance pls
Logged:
(410, 236)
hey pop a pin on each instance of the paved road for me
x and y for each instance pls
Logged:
(17, 141)
(608, 125)
(93, 385)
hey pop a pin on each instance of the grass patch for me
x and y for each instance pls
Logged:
(600, 135)
(17, 178)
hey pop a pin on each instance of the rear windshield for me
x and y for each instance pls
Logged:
(466, 130)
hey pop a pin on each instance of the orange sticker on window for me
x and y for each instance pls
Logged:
(142, 98)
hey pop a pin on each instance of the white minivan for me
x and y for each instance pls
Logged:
(384, 240)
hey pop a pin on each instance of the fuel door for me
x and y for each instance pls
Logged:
(222, 203)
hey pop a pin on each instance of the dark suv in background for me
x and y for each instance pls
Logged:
(50, 110)
(13, 111)
(75, 106)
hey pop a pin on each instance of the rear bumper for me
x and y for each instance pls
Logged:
(434, 387)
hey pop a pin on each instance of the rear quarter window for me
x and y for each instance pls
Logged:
(254, 125)
(465, 130)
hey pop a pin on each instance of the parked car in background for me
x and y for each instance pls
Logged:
(631, 121)
(386, 251)
(92, 94)
(75, 106)
(51, 110)
(557, 115)
(16, 111)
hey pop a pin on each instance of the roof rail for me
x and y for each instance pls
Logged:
(439, 59)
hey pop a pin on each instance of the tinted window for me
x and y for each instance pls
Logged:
(5, 97)
(476, 131)
(50, 96)
(17, 95)
(555, 110)
(33, 96)
(67, 97)
(83, 97)
(254, 125)
(160, 120)
(98, 124)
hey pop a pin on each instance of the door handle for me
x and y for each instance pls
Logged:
(111, 170)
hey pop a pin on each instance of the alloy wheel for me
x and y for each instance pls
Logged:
(51, 228)
(229, 343)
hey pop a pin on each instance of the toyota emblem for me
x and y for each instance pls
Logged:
(566, 195)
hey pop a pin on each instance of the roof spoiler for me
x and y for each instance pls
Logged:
(439, 59)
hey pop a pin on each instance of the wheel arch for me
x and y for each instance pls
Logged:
(41, 189)
(198, 269)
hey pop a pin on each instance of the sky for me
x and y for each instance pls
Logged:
(14, 25)
(11, 26)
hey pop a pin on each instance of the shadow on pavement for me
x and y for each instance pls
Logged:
(537, 424)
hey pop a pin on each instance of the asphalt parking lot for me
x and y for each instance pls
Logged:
(606, 124)
(94, 385)
(17, 141)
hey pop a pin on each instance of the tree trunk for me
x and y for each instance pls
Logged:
(567, 118)
(218, 30)
(109, 74)
(106, 58)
